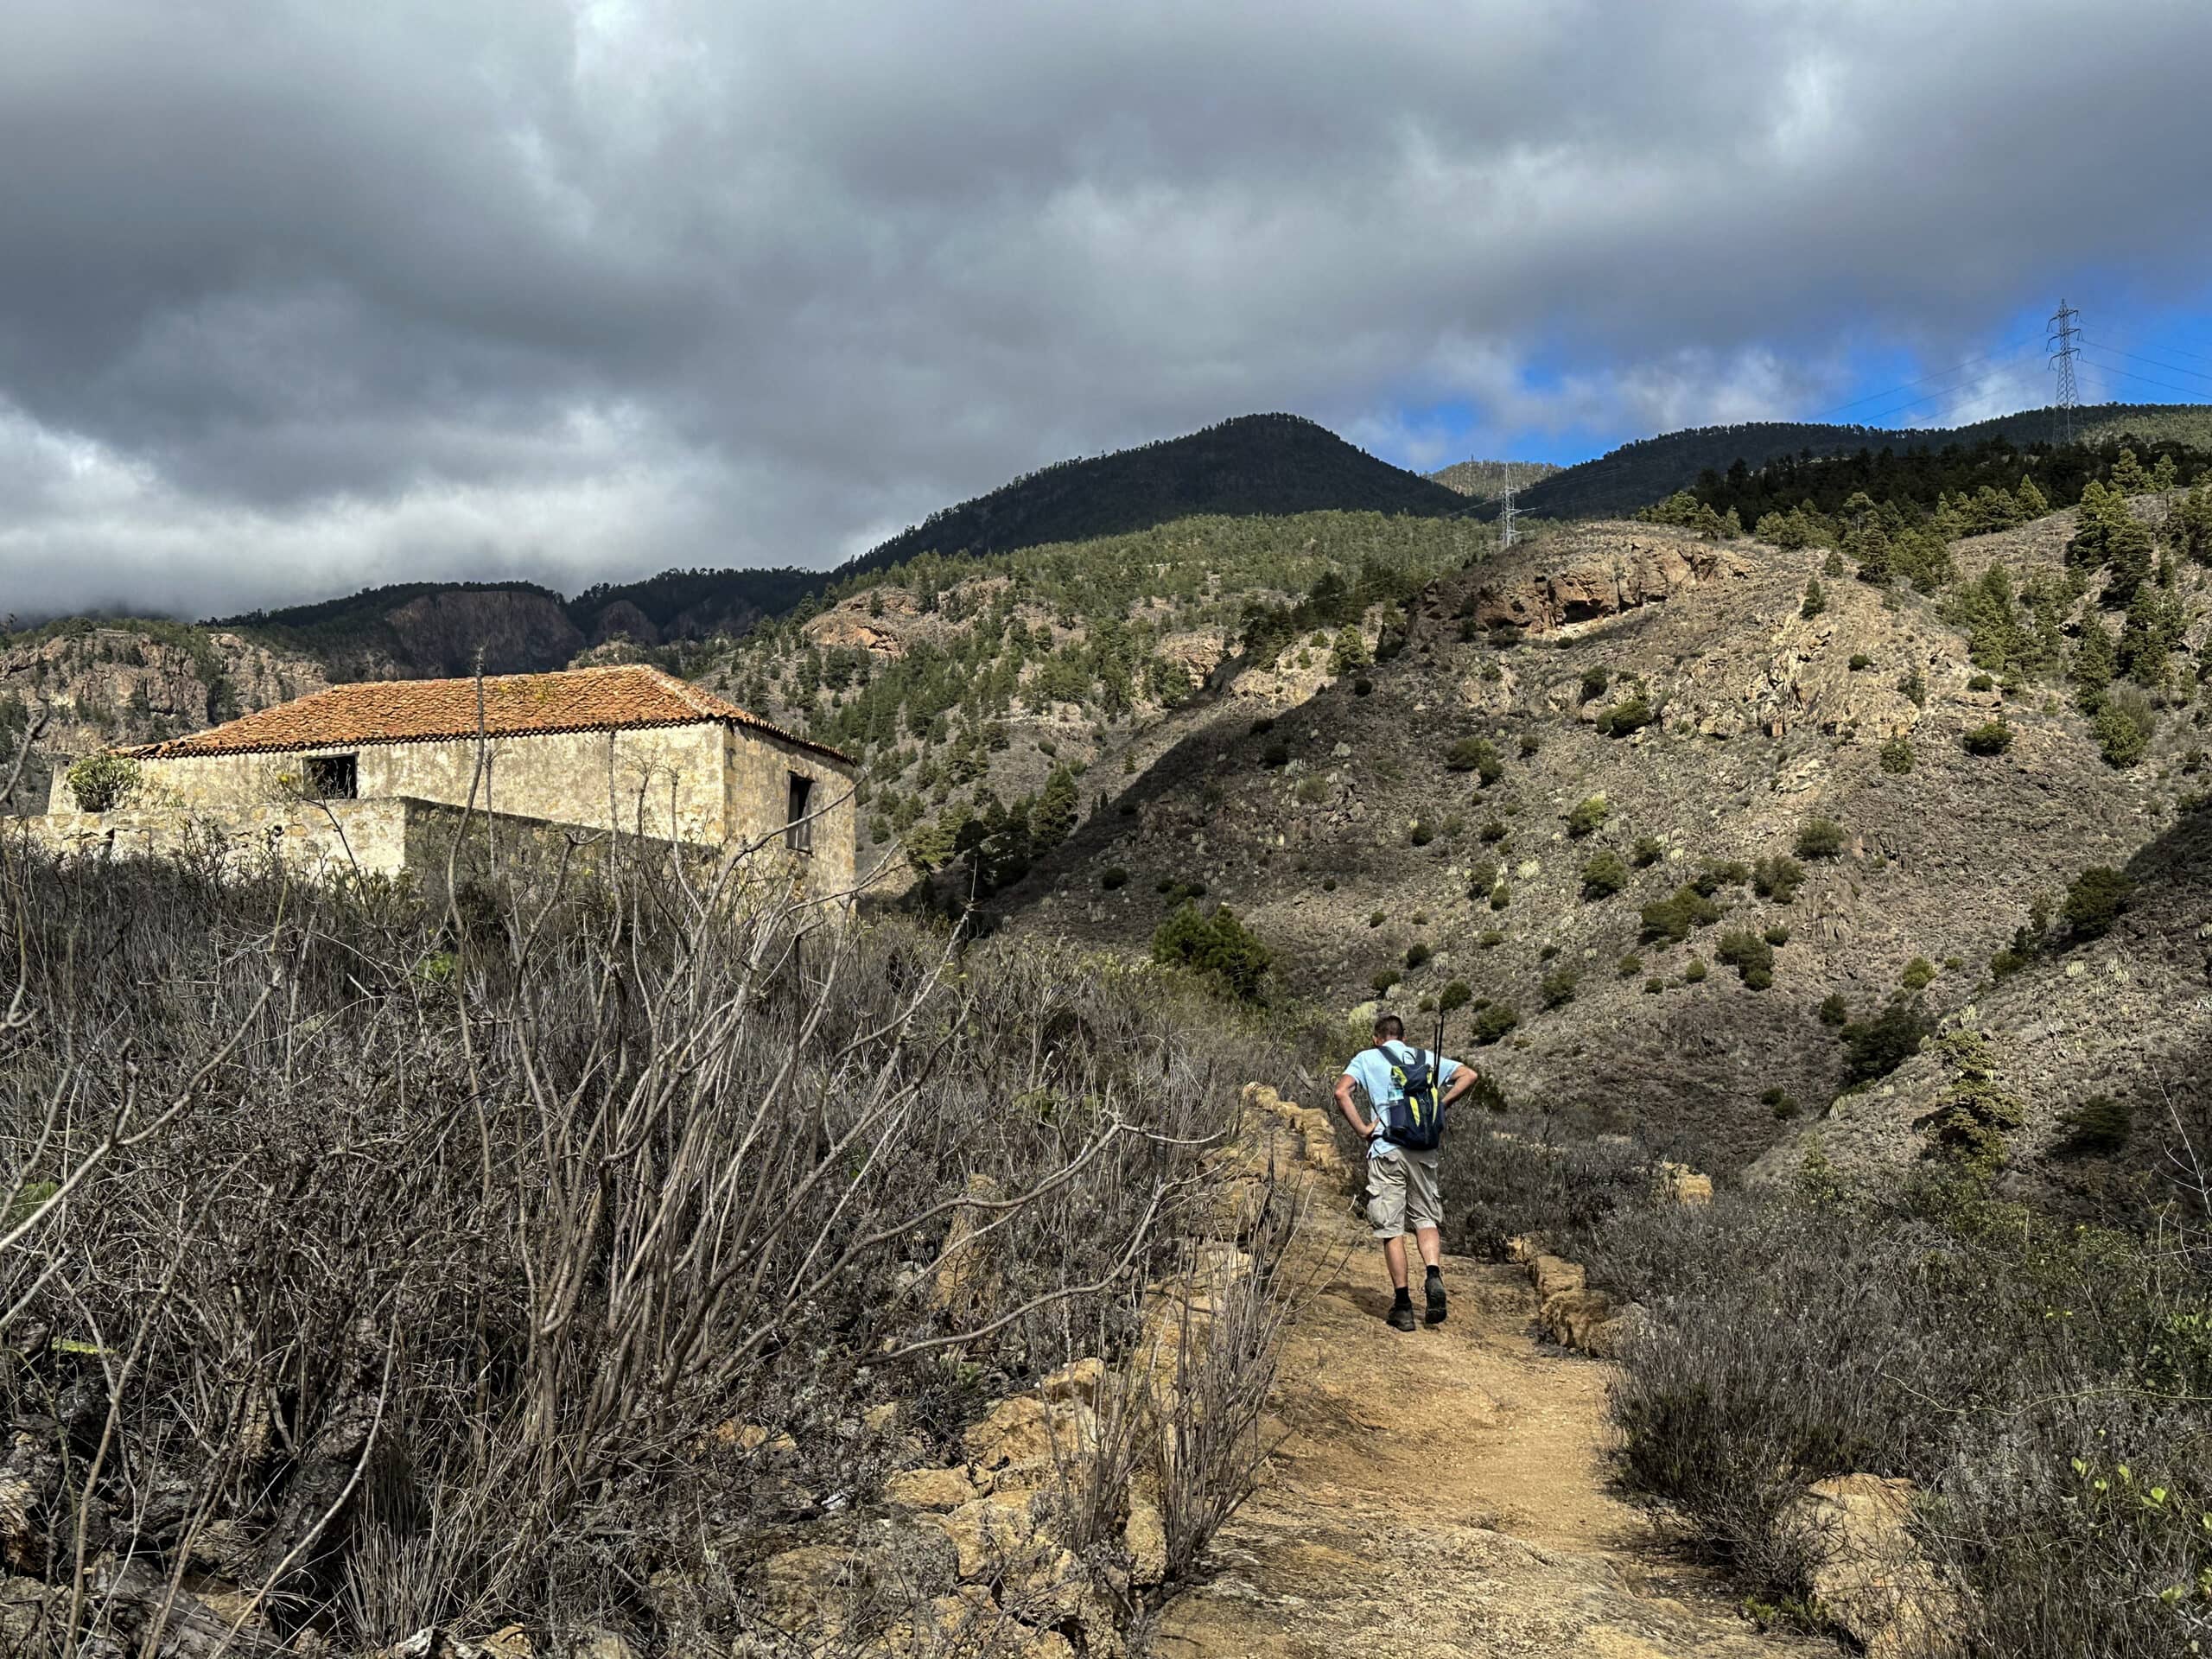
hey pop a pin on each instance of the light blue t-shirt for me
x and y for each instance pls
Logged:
(1370, 1070)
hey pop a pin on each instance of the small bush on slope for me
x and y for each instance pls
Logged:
(2060, 1460)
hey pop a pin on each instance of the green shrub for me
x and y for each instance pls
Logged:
(1778, 1101)
(2125, 723)
(1313, 789)
(1421, 835)
(1588, 816)
(1919, 973)
(2095, 899)
(1492, 833)
(1860, 662)
(1494, 1023)
(1626, 719)
(1630, 965)
(1275, 755)
(1547, 953)
(1751, 957)
(1328, 884)
(1417, 956)
(1876, 1047)
(1385, 979)
(1718, 872)
(1375, 919)
(1897, 756)
(1500, 896)
(101, 783)
(1814, 601)
(1777, 935)
(1980, 683)
(1695, 973)
(1476, 754)
(1647, 851)
(1362, 686)
(1778, 878)
(1116, 877)
(1820, 838)
(1456, 995)
(1834, 1011)
(1991, 737)
(1604, 875)
(1216, 947)
(1594, 681)
(1490, 939)
(1674, 917)
(1654, 985)
(1557, 987)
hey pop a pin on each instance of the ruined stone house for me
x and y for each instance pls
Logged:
(368, 776)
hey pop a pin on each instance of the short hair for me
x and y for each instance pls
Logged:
(1389, 1024)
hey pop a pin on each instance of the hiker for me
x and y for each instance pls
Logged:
(1407, 1089)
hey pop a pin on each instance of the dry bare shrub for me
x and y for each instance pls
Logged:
(461, 1260)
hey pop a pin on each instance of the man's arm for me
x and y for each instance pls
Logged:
(1464, 1078)
(1350, 1108)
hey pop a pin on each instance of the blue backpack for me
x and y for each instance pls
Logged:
(1415, 1119)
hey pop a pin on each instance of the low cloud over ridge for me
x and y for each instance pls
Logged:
(297, 300)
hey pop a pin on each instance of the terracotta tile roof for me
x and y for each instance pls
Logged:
(623, 697)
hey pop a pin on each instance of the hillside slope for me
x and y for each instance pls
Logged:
(1649, 469)
(1255, 465)
(1484, 480)
(1340, 834)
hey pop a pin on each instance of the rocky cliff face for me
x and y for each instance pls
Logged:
(1345, 836)
(101, 686)
(439, 635)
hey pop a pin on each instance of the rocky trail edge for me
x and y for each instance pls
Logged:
(1437, 1493)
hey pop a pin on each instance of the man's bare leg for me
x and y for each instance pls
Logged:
(1432, 1251)
(1394, 1255)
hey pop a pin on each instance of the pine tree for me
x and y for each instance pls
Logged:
(2095, 662)
(1349, 652)
(1869, 544)
(2189, 527)
(2128, 476)
(1052, 820)
(2032, 504)
(1815, 600)
(2163, 477)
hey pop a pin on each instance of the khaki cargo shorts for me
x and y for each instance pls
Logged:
(1402, 1191)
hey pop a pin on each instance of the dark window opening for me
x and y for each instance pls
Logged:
(334, 776)
(799, 825)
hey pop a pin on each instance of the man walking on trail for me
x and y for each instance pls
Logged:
(1401, 1178)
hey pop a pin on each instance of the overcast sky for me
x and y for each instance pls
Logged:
(296, 298)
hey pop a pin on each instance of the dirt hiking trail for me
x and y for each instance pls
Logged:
(1438, 1493)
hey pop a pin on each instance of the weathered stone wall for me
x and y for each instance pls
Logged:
(759, 772)
(705, 786)
(326, 838)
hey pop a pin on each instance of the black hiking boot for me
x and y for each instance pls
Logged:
(1433, 1296)
(1402, 1317)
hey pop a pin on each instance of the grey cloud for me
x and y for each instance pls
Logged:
(294, 299)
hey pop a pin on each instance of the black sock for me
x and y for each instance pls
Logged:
(1405, 1298)
(1435, 1277)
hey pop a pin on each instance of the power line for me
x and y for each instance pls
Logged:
(2062, 328)
(2195, 394)
(2018, 352)
(2174, 368)
(1939, 374)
